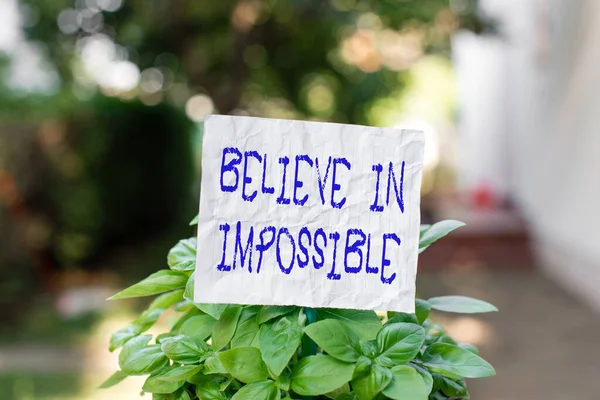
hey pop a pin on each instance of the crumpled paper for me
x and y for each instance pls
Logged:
(260, 182)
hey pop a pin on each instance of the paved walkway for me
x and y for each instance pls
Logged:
(544, 344)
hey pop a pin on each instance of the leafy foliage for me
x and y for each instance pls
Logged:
(242, 352)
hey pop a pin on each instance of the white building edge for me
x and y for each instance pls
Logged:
(530, 125)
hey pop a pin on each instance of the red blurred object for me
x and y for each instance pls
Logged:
(483, 197)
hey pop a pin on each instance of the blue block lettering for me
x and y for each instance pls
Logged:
(264, 246)
(247, 252)
(222, 266)
(332, 275)
(374, 207)
(266, 189)
(335, 186)
(297, 183)
(288, 269)
(319, 233)
(282, 199)
(384, 261)
(355, 247)
(247, 179)
(230, 166)
(368, 268)
(399, 192)
(322, 181)
(303, 232)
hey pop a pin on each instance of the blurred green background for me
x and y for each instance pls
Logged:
(101, 110)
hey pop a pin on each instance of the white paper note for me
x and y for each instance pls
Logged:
(308, 214)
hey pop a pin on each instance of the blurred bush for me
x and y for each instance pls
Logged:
(128, 170)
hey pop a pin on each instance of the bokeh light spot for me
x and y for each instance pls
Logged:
(152, 80)
(68, 21)
(110, 5)
(198, 107)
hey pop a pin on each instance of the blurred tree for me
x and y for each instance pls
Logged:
(298, 58)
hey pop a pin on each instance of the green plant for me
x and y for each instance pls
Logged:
(240, 352)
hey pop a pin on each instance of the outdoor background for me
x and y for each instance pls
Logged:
(101, 110)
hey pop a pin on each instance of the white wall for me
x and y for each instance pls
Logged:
(542, 145)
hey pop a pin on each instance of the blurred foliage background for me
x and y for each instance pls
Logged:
(102, 103)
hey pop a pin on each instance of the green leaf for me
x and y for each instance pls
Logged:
(247, 328)
(454, 388)
(145, 361)
(166, 300)
(265, 390)
(267, 313)
(461, 304)
(224, 385)
(186, 316)
(244, 364)
(426, 375)
(445, 338)
(437, 231)
(338, 392)
(368, 386)
(433, 332)
(445, 358)
(279, 340)
(148, 318)
(316, 375)
(195, 220)
(422, 308)
(347, 396)
(214, 310)
(209, 390)
(402, 317)
(384, 361)
(213, 365)
(164, 337)
(133, 345)
(335, 338)
(184, 305)
(122, 336)
(176, 395)
(155, 383)
(181, 373)
(406, 384)
(365, 323)
(468, 346)
(188, 294)
(185, 395)
(283, 382)
(113, 380)
(362, 367)
(199, 326)
(182, 257)
(185, 349)
(159, 282)
(224, 328)
(369, 348)
(400, 342)
(423, 229)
